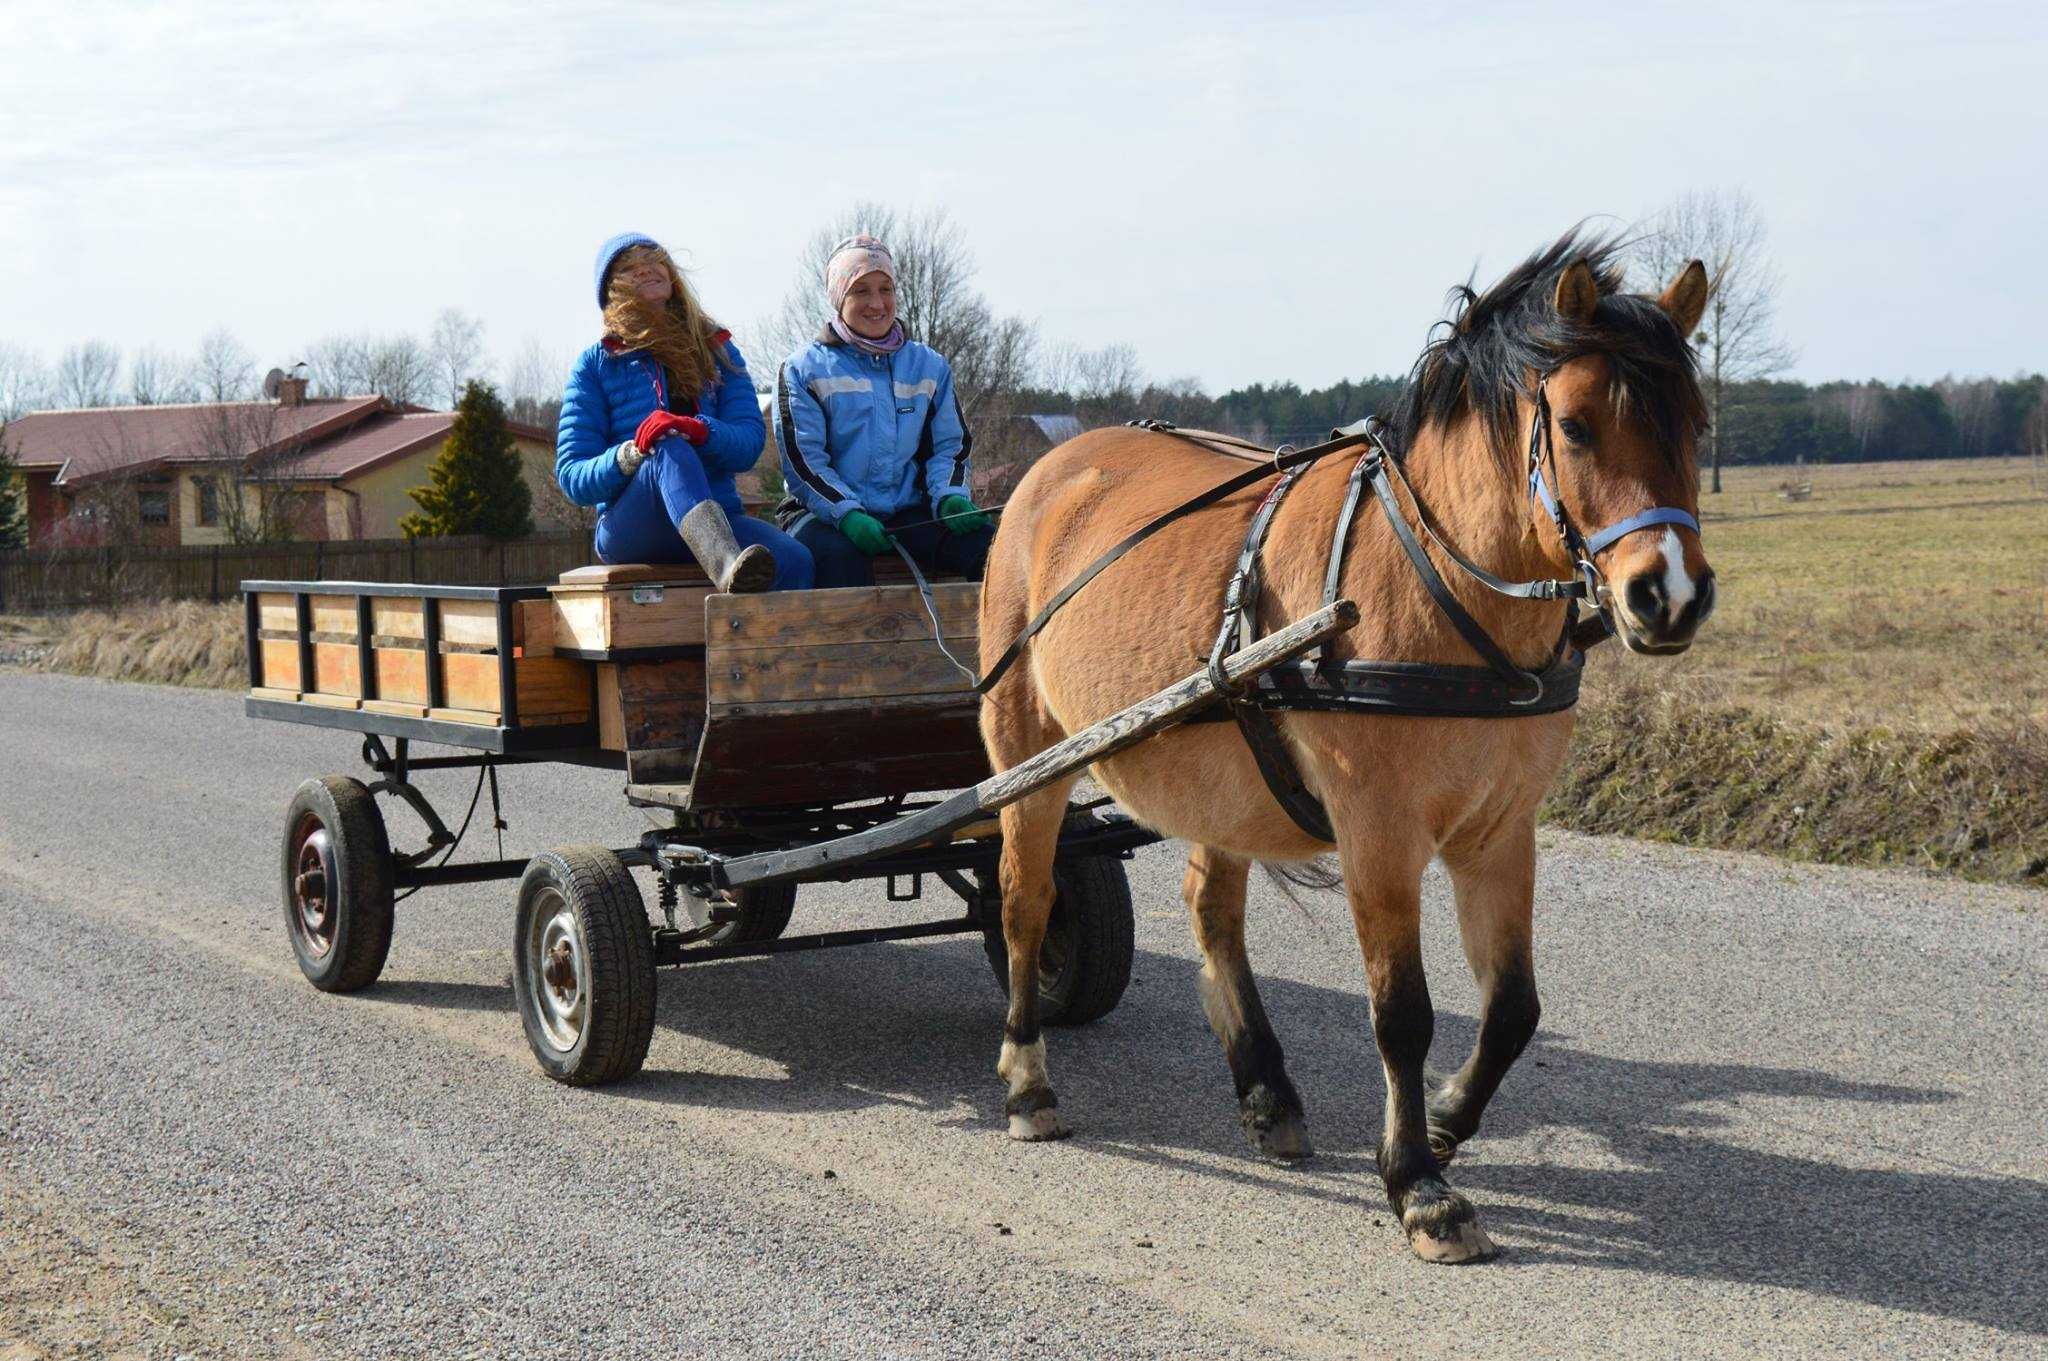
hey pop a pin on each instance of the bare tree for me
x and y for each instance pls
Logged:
(155, 378)
(396, 367)
(457, 349)
(224, 371)
(87, 375)
(534, 382)
(1105, 384)
(1736, 337)
(241, 487)
(24, 381)
(935, 296)
(1973, 405)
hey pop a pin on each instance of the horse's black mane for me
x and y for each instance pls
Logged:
(1493, 341)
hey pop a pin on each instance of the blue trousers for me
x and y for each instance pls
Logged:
(640, 526)
(839, 563)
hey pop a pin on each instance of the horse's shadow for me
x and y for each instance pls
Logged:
(920, 1027)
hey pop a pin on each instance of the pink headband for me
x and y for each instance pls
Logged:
(857, 255)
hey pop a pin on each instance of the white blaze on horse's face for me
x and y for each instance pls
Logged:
(1612, 465)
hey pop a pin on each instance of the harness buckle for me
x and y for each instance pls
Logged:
(1536, 698)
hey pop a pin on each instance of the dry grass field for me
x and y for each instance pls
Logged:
(1898, 595)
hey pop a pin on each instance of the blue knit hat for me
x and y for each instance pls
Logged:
(610, 251)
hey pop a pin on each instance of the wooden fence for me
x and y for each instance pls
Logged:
(64, 578)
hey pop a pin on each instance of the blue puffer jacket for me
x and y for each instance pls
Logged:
(611, 392)
(859, 431)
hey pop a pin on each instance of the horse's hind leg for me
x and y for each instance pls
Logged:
(1031, 830)
(1496, 887)
(1267, 1102)
(1383, 876)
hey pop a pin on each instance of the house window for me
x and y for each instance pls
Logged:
(209, 504)
(155, 503)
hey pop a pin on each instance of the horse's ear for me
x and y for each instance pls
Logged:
(1578, 293)
(1685, 302)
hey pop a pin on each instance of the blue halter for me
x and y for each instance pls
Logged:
(1585, 547)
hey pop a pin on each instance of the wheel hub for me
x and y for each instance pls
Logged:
(313, 883)
(557, 978)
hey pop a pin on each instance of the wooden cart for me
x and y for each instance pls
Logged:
(786, 738)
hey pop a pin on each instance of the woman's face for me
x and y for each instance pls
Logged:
(646, 276)
(870, 306)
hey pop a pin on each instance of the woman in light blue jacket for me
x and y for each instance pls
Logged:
(873, 447)
(658, 417)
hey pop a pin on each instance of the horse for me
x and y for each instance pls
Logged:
(1607, 383)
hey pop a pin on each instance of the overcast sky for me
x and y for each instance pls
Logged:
(1240, 194)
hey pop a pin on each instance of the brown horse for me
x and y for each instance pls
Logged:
(1624, 411)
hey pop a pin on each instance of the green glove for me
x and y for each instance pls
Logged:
(959, 516)
(866, 532)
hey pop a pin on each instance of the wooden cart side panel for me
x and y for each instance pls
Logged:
(749, 758)
(876, 614)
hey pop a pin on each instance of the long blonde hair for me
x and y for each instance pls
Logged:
(677, 334)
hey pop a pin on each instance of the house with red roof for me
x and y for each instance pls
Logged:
(218, 472)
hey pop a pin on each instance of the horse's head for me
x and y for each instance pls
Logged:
(1613, 434)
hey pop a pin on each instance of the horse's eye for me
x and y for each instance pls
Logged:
(1575, 430)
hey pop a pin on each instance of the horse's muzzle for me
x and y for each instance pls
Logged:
(1659, 616)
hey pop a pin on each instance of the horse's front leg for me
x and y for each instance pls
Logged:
(1496, 887)
(1384, 881)
(1031, 831)
(1267, 1103)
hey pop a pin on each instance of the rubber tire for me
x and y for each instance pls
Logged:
(362, 898)
(764, 913)
(1092, 908)
(619, 955)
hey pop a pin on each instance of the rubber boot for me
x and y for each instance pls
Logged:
(709, 534)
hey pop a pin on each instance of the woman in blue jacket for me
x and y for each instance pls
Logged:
(658, 417)
(873, 447)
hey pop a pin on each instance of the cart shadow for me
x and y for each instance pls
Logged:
(1670, 1183)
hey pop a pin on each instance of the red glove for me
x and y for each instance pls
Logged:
(661, 424)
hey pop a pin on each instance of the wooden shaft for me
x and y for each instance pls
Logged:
(1111, 735)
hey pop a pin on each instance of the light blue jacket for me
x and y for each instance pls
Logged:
(878, 433)
(611, 391)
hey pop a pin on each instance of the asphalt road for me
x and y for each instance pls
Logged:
(1773, 1110)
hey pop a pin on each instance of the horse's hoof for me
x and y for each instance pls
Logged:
(1465, 1242)
(1284, 1140)
(1037, 1127)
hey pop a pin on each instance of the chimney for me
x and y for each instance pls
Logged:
(291, 391)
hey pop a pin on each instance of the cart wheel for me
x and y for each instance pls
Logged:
(764, 914)
(1085, 962)
(583, 968)
(337, 883)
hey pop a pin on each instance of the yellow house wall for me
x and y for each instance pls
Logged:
(384, 491)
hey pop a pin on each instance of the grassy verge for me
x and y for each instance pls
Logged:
(1659, 754)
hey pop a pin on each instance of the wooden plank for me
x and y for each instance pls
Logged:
(393, 616)
(337, 669)
(601, 576)
(552, 691)
(331, 701)
(834, 756)
(394, 708)
(660, 766)
(277, 613)
(281, 664)
(402, 674)
(469, 680)
(475, 716)
(661, 704)
(873, 614)
(470, 622)
(536, 628)
(611, 718)
(266, 692)
(653, 615)
(335, 616)
(832, 671)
